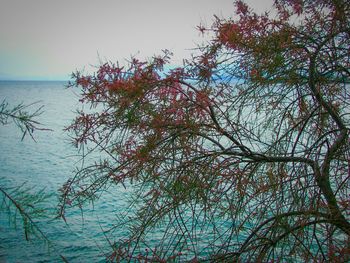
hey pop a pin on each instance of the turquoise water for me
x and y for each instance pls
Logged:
(48, 163)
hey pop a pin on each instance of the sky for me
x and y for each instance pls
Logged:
(49, 39)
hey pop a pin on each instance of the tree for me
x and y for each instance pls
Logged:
(242, 153)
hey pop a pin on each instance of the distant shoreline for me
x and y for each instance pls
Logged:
(31, 80)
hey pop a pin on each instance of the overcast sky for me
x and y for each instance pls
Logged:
(48, 39)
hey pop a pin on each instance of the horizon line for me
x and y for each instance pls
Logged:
(61, 80)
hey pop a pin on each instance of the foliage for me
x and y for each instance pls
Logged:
(20, 201)
(242, 153)
(23, 119)
(27, 206)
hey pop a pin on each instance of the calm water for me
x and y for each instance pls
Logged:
(47, 163)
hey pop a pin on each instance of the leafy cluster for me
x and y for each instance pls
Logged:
(22, 205)
(20, 202)
(22, 118)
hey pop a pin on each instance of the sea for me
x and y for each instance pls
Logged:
(44, 164)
